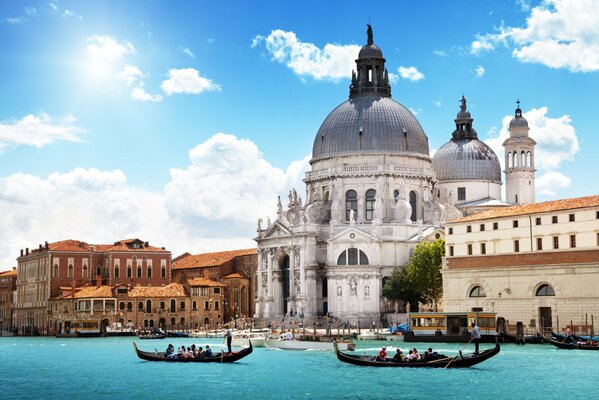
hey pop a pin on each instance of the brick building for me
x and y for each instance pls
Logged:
(8, 286)
(42, 272)
(536, 263)
(234, 269)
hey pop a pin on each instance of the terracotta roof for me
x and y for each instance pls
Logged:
(547, 206)
(71, 245)
(94, 291)
(172, 290)
(211, 259)
(68, 245)
(204, 282)
(12, 272)
(234, 275)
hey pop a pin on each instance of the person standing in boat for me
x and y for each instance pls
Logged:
(475, 336)
(229, 339)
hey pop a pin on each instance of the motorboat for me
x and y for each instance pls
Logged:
(310, 342)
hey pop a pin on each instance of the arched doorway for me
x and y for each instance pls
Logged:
(285, 270)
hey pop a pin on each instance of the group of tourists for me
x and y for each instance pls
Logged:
(189, 352)
(413, 356)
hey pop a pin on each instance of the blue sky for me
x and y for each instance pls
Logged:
(181, 122)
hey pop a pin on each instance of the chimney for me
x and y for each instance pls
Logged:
(21, 252)
(47, 247)
(26, 251)
(146, 244)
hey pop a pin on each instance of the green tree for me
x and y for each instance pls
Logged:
(424, 271)
(398, 287)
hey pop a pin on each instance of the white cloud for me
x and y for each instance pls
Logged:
(332, 62)
(438, 103)
(107, 47)
(187, 80)
(140, 94)
(14, 21)
(558, 34)
(523, 4)
(39, 131)
(31, 11)
(211, 205)
(550, 183)
(130, 74)
(187, 51)
(53, 8)
(440, 53)
(410, 73)
(556, 142)
(480, 71)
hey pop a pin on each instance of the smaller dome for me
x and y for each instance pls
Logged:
(518, 121)
(463, 115)
(370, 51)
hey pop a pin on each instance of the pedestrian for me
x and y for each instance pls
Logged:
(475, 336)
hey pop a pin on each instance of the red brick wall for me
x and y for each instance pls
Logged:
(525, 259)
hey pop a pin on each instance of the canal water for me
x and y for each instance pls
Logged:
(107, 368)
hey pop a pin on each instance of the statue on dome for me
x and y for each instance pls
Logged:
(369, 34)
(259, 224)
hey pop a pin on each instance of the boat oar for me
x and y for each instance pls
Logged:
(459, 351)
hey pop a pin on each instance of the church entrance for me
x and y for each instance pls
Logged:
(285, 270)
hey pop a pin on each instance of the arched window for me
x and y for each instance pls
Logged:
(55, 270)
(370, 200)
(545, 290)
(148, 306)
(117, 272)
(149, 271)
(352, 257)
(129, 272)
(139, 271)
(528, 159)
(510, 160)
(477, 291)
(163, 271)
(84, 270)
(173, 306)
(351, 203)
(413, 205)
(70, 271)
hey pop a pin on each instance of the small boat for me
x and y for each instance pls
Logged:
(153, 334)
(241, 338)
(370, 336)
(395, 337)
(459, 361)
(529, 339)
(310, 342)
(580, 345)
(177, 334)
(220, 357)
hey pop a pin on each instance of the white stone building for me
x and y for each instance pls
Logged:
(532, 263)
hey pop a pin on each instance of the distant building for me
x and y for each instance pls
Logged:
(42, 272)
(533, 263)
(8, 286)
(235, 269)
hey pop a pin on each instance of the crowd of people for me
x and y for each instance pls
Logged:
(189, 352)
(413, 356)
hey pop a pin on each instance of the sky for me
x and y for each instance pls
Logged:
(181, 122)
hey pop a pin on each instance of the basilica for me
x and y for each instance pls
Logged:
(372, 194)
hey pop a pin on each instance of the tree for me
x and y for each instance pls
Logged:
(398, 287)
(424, 270)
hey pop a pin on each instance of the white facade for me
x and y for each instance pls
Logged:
(537, 263)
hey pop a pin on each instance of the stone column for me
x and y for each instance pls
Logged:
(259, 290)
(291, 275)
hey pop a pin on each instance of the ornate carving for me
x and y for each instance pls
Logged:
(439, 215)
(353, 286)
(339, 290)
(259, 224)
(367, 291)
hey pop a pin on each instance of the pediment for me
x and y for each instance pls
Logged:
(277, 229)
(352, 235)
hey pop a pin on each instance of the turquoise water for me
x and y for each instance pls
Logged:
(50, 368)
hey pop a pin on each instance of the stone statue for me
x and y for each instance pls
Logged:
(353, 287)
(352, 219)
(339, 291)
(366, 290)
(279, 208)
(439, 216)
(378, 207)
(268, 223)
(259, 224)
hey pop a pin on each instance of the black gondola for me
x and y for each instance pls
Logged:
(570, 345)
(220, 357)
(461, 361)
(150, 335)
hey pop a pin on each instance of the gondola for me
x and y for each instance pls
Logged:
(569, 346)
(460, 361)
(220, 357)
(151, 335)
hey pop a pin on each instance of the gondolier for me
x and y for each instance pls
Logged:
(475, 336)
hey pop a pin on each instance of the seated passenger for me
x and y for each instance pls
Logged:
(382, 356)
(188, 353)
(170, 351)
(411, 355)
(433, 355)
(208, 352)
(415, 355)
(181, 353)
(398, 356)
(425, 356)
(194, 352)
(200, 353)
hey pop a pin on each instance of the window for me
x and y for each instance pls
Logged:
(598, 239)
(572, 218)
(129, 271)
(469, 249)
(149, 271)
(140, 305)
(122, 305)
(173, 306)
(483, 248)
(172, 321)
(468, 228)
(206, 305)
(149, 306)
(129, 306)
(194, 305)
(461, 193)
(572, 241)
(413, 204)
(556, 242)
(539, 243)
(597, 215)
(515, 223)
(396, 195)
(516, 246)
(554, 219)
(55, 270)
(216, 305)
(182, 321)
(162, 305)
(216, 290)
(139, 272)
(370, 200)
(538, 221)
(351, 203)
(70, 271)
(204, 291)
(495, 226)
(482, 227)
(163, 271)
(545, 290)
(352, 257)
(477, 291)
(451, 231)
(451, 251)
(182, 305)
(117, 271)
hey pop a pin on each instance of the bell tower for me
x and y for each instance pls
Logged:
(519, 161)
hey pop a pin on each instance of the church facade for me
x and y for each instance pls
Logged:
(372, 195)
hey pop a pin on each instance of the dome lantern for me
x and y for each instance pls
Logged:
(371, 76)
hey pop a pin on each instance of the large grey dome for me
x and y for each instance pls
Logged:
(466, 159)
(370, 124)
